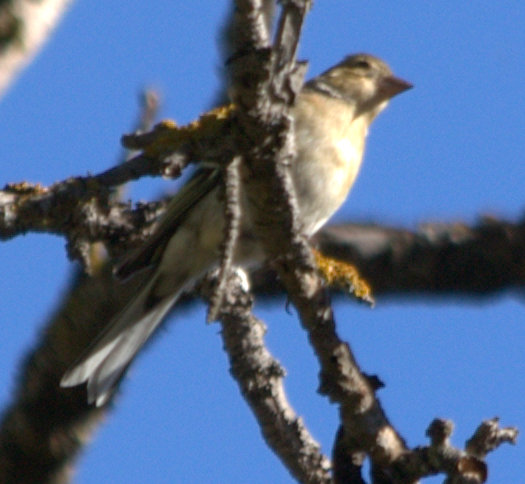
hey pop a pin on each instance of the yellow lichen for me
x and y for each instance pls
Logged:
(167, 136)
(344, 276)
(25, 188)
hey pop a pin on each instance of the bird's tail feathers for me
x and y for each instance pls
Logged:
(106, 360)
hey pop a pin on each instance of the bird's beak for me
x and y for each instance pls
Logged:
(390, 86)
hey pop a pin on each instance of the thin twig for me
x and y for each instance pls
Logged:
(232, 215)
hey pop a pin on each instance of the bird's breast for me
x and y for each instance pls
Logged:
(329, 143)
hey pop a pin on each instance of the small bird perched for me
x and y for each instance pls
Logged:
(331, 115)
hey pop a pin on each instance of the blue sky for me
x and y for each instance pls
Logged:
(449, 150)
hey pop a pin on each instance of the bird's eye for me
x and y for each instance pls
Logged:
(362, 64)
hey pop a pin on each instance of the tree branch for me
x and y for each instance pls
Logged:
(24, 28)
(260, 379)
(45, 424)
(263, 102)
(437, 260)
(460, 466)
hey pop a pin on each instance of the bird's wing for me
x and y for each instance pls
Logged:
(204, 181)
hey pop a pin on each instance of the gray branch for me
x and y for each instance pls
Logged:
(265, 82)
(260, 379)
(24, 28)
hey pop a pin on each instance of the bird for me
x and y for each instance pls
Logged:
(331, 116)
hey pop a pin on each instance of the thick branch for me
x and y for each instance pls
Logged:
(438, 260)
(46, 425)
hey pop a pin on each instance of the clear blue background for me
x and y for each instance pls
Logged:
(449, 150)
